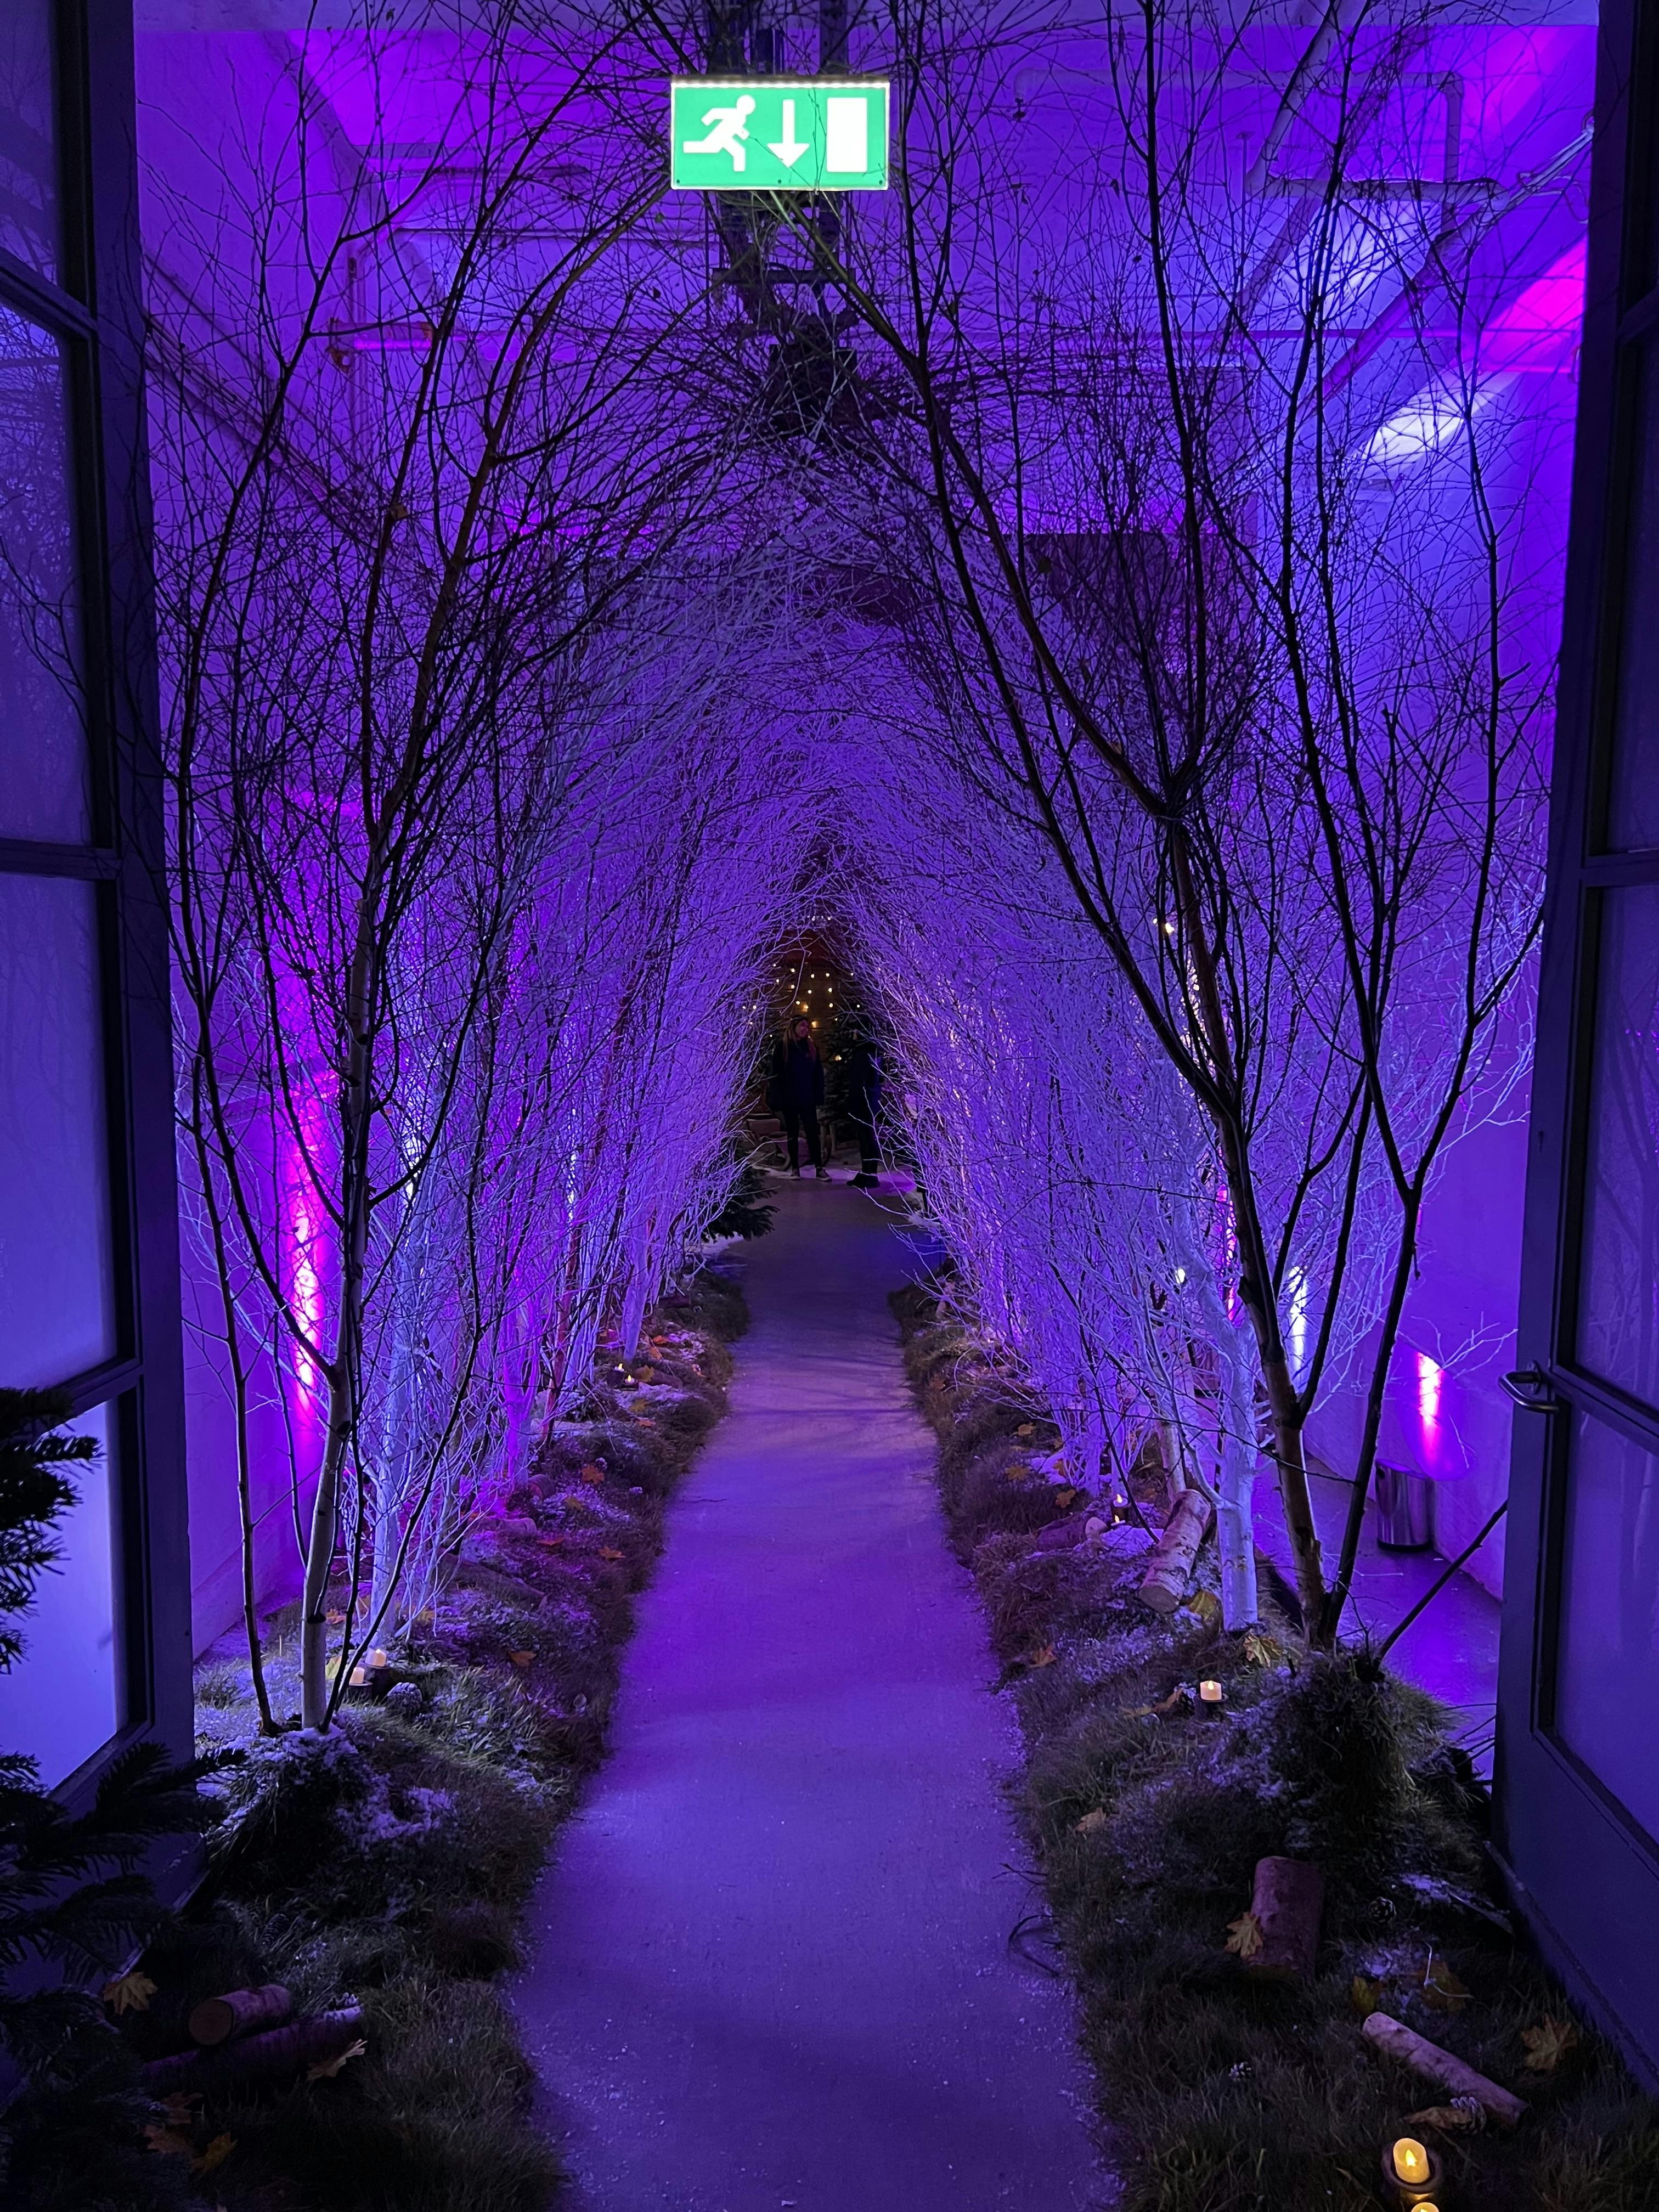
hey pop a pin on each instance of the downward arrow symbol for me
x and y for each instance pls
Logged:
(789, 148)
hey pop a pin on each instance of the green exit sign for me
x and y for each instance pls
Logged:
(778, 134)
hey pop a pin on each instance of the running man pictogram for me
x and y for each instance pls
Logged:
(731, 130)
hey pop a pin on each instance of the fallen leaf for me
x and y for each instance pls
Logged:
(610, 1551)
(1044, 1655)
(593, 1472)
(1244, 1935)
(1365, 1995)
(1092, 1823)
(334, 1619)
(326, 2068)
(521, 1658)
(171, 2142)
(1026, 1428)
(1442, 1991)
(179, 2107)
(129, 1992)
(1547, 2043)
(1261, 1650)
(215, 2154)
(1177, 1697)
(1462, 2114)
(552, 1543)
(1065, 1494)
(643, 1421)
(1205, 1605)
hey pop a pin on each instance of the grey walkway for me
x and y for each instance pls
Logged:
(770, 1966)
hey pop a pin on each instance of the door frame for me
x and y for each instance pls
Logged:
(1583, 1874)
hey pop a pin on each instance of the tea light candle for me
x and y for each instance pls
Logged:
(378, 1658)
(1209, 1694)
(1414, 2172)
(1411, 2160)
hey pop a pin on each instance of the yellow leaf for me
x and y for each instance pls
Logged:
(1244, 1935)
(1548, 2043)
(326, 2068)
(1025, 1429)
(1261, 1650)
(215, 2154)
(591, 1473)
(334, 1619)
(1365, 1995)
(1464, 2113)
(1442, 1989)
(1044, 1655)
(1205, 1605)
(1092, 1823)
(1065, 1494)
(129, 1992)
(610, 1551)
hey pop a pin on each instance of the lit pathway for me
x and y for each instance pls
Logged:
(770, 1966)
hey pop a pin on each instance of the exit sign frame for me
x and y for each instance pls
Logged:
(779, 134)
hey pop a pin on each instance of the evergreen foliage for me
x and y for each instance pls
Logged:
(73, 1905)
(34, 1491)
(742, 1212)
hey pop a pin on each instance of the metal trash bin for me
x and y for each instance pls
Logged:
(1405, 1510)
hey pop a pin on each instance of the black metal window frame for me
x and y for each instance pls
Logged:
(95, 314)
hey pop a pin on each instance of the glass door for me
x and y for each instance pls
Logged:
(1578, 1713)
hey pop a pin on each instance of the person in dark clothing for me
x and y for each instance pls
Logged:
(799, 1087)
(863, 1102)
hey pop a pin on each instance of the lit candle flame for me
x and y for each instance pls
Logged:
(1411, 2160)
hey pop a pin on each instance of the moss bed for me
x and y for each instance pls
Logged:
(1219, 2091)
(388, 1863)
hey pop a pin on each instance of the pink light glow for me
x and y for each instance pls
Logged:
(302, 1226)
(1429, 1375)
(1539, 328)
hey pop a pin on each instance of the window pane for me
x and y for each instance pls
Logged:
(1606, 1689)
(1619, 1297)
(63, 1701)
(1633, 812)
(57, 1312)
(28, 155)
(43, 750)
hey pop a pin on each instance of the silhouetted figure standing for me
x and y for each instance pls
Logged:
(800, 1083)
(863, 1102)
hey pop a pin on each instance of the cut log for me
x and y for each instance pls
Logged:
(1288, 1899)
(239, 2012)
(1169, 1569)
(258, 2057)
(1441, 2067)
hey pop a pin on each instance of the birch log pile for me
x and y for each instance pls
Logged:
(1170, 1567)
